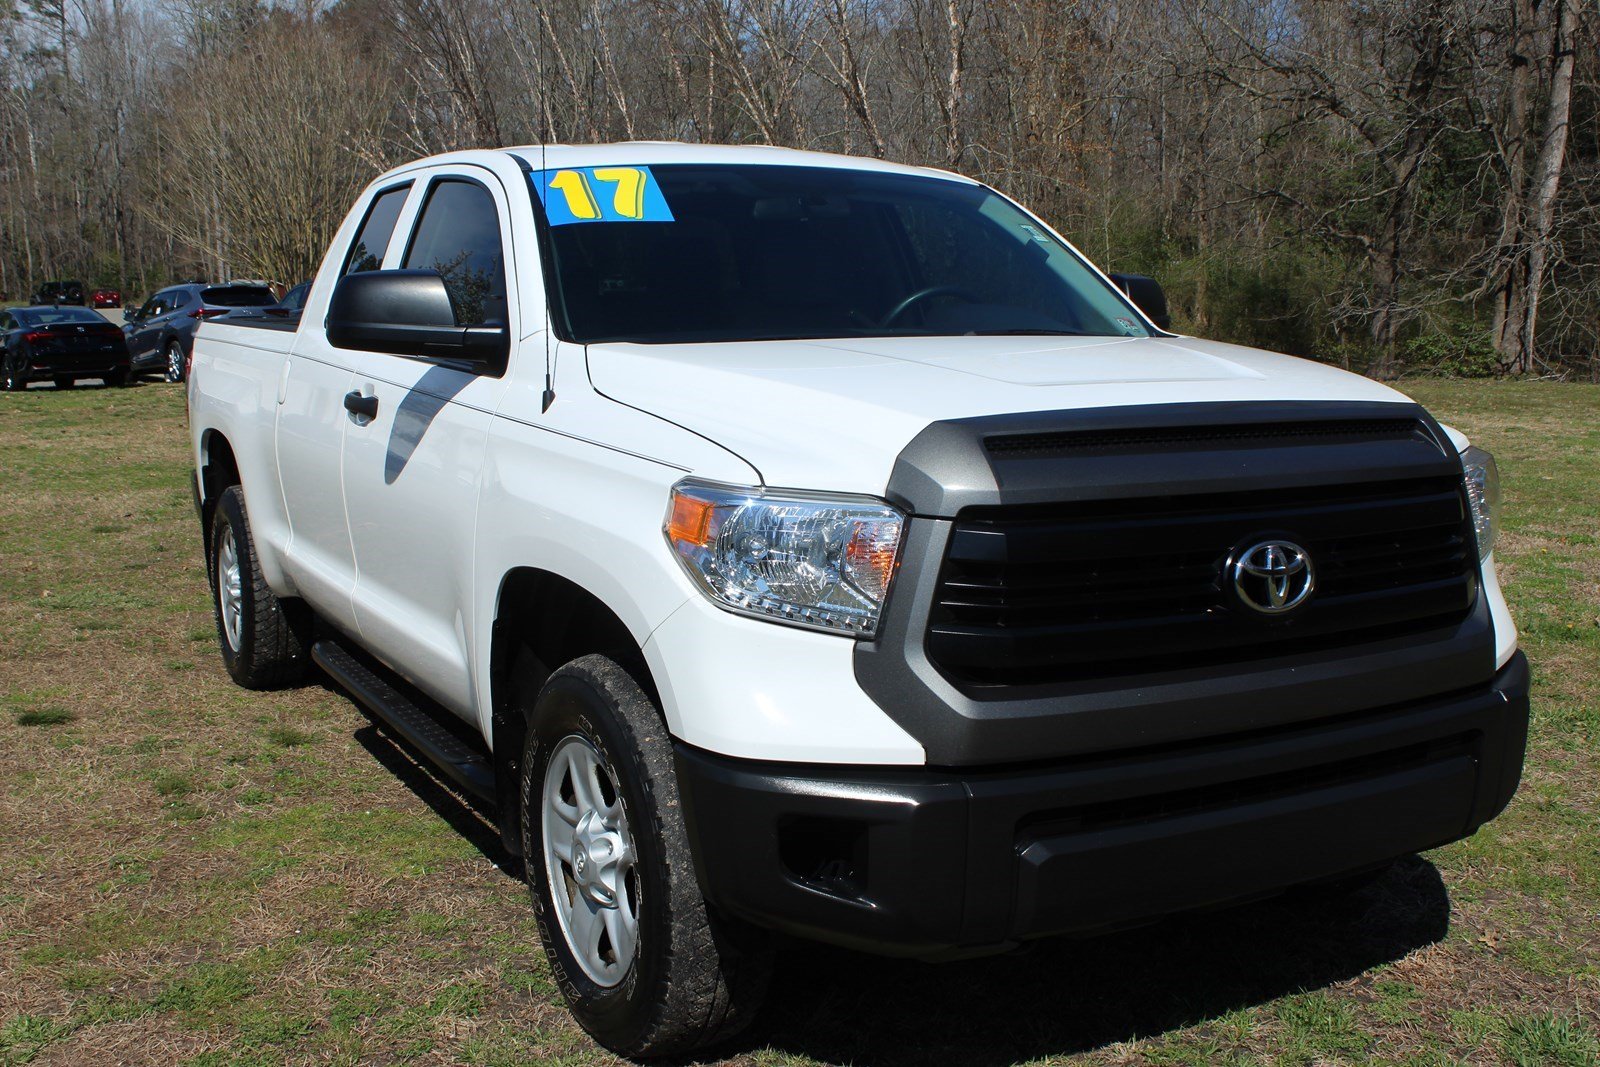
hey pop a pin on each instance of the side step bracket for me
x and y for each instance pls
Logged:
(467, 766)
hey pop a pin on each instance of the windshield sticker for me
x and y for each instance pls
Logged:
(601, 194)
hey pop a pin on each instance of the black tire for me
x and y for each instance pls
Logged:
(66, 383)
(273, 639)
(117, 379)
(176, 363)
(13, 378)
(696, 978)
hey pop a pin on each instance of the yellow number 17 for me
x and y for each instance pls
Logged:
(628, 200)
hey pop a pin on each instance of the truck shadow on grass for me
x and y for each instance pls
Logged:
(1068, 995)
(1062, 995)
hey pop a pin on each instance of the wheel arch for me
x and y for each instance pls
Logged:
(219, 469)
(556, 620)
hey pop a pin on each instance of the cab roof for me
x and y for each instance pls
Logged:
(651, 153)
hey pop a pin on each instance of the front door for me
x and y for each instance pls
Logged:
(144, 334)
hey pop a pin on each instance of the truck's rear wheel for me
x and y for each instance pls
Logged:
(263, 639)
(645, 966)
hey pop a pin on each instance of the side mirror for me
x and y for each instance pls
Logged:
(132, 315)
(409, 313)
(1146, 294)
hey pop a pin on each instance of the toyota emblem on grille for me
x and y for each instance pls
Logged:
(1273, 577)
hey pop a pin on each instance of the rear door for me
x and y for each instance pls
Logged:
(411, 473)
(310, 434)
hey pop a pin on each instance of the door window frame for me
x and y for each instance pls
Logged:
(499, 216)
(411, 218)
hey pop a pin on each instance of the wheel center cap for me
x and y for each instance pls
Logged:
(594, 848)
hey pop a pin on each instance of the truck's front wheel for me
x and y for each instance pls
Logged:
(644, 965)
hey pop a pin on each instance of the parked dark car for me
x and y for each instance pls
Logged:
(60, 344)
(58, 293)
(106, 298)
(161, 333)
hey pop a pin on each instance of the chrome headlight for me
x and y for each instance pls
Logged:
(1483, 494)
(824, 562)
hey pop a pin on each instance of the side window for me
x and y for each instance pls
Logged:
(458, 235)
(6, 321)
(372, 240)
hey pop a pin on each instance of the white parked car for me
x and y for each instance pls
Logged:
(785, 542)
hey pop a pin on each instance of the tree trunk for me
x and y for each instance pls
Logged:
(1546, 179)
(952, 100)
(1507, 286)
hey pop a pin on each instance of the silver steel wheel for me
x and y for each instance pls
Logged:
(589, 861)
(230, 589)
(174, 363)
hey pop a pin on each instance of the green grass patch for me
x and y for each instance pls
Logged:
(46, 717)
(1549, 1040)
(288, 736)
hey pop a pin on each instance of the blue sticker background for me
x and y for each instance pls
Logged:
(557, 204)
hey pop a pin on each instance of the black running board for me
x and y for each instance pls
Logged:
(463, 764)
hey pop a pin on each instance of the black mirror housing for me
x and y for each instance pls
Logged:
(409, 313)
(1147, 296)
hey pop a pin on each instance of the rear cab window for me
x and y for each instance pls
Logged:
(377, 229)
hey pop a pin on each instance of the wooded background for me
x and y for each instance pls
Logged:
(1392, 185)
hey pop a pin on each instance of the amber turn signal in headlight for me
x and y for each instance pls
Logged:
(824, 562)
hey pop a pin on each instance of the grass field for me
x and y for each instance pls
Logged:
(195, 874)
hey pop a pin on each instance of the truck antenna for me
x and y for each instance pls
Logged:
(544, 144)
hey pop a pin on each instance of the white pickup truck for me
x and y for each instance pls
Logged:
(785, 543)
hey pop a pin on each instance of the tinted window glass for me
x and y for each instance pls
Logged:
(758, 252)
(295, 298)
(458, 235)
(49, 316)
(372, 240)
(238, 296)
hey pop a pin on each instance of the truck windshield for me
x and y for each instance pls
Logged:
(695, 253)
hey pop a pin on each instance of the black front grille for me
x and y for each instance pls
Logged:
(1060, 593)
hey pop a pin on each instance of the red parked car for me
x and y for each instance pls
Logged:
(107, 298)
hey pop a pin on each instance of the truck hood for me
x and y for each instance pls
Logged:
(834, 415)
